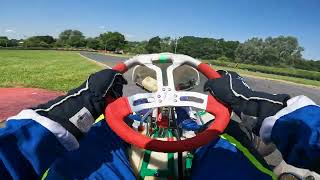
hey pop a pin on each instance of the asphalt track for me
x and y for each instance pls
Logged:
(258, 84)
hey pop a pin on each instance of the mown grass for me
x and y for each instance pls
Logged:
(270, 76)
(284, 71)
(54, 70)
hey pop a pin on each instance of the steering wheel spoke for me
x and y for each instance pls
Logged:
(141, 101)
(168, 98)
(192, 99)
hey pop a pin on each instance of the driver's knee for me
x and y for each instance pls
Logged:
(101, 153)
(221, 159)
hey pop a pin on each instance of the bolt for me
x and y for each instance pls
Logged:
(175, 100)
(175, 95)
(160, 101)
(169, 89)
(159, 96)
(163, 89)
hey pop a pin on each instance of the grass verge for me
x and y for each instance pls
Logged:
(54, 70)
(282, 71)
(247, 73)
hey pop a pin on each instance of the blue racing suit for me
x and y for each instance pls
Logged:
(31, 144)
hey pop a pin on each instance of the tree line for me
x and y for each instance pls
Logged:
(110, 41)
(281, 51)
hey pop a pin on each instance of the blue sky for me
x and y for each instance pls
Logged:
(142, 19)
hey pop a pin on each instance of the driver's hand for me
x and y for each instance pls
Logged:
(251, 106)
(77, 110)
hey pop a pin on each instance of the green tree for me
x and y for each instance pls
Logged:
(166, 44)
(229, 48)
(112, 41)
(206, 48)
(287, 48)
(271, 51)
(64, 38)
(47, 39)
(136, 47)
(4, 41)
(250, 51)
(13, 43)
(39, 41)
(154, 45)
(71, 38)
(92, 43)
(76, 39)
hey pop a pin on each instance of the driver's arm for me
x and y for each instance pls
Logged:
(292, 124)
(35, 137)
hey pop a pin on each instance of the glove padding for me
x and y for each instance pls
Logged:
(77, 110)
(251, 106)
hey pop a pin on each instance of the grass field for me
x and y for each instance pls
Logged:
(282, 71)
(54, 70)
(248, 73)
(270, 76)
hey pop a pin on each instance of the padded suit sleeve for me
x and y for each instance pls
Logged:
(27, 148)
(296, 132)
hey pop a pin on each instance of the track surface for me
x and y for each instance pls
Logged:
(13, 100)
(258, 84)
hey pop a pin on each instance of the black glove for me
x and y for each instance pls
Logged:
(77, 110)
(251, 106)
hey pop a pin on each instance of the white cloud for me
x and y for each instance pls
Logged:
(102, 27)
(9, 31)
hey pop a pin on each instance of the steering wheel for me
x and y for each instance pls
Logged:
(165, 96)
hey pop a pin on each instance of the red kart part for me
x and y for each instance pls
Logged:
(206, 70)
(121, 67)
(115, 117)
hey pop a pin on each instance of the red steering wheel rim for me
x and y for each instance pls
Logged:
(115, 117)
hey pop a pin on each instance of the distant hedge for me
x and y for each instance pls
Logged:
(299, 73)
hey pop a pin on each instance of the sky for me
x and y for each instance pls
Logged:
(143, 19)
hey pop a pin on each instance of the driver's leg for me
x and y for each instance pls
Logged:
(230, 157)
(102, 155)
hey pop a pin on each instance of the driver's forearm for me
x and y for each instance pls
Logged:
(296, 132)
(28, 148)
